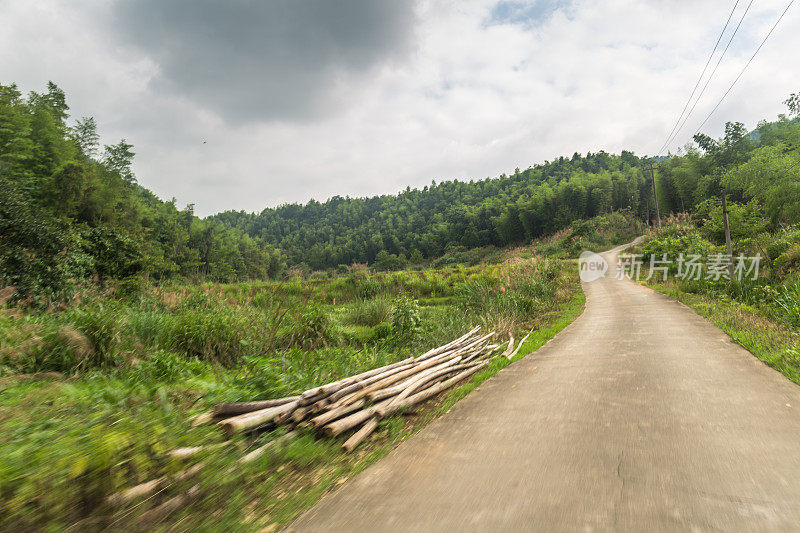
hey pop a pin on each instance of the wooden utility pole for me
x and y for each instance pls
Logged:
(728, 247)
(655, 196)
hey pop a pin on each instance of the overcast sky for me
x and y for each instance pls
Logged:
(250, 104)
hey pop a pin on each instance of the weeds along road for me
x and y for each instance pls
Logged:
(641, 415)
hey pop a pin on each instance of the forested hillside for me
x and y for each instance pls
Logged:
(425, 223)
(70, 211)
(417, 224)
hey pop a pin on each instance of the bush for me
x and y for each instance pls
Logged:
(168, 367)
(368, 288)
(675, 240)
(314, 328)
(370, 312)
(81, 339)
(210, 335)
(129, 288)
(788, 261)
(406, 319)
(744, 220)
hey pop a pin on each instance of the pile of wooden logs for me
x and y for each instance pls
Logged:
(361, 401)
(356, 403)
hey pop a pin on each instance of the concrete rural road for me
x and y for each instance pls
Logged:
(640, 416)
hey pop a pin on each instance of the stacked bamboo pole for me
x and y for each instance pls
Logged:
(356, 403)
(360, 402)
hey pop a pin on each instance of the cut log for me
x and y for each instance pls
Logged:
(255, 419)
(419, 383)
(359, 436)
(203, 418)
(258, 452)
(240, 408)
(450, 345)
(149, 487)
(349, 422)
(299, 414)
(355, 387)
(444, 385)
(149, 519)
(400, 387)
(321, 405)
(190, 451)
(508, 351)
(339, 412)
(397, 377)
(519, 346)
(330, 388)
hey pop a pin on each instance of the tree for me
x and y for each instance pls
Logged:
(85, 134)
(119, 157)
(793, 103)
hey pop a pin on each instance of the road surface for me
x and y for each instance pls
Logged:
(639, 416)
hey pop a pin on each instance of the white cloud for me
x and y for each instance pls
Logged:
(472, 98)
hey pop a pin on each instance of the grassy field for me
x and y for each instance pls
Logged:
(94, 395)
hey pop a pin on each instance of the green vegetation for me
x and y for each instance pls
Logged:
(69, 214)
(759, 172)
(452, 217)
(94, 396)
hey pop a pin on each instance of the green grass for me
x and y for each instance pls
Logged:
(92, 397)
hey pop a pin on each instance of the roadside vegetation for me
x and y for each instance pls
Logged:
(93, 397)
(759, 174)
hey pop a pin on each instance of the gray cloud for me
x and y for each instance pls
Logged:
(266, 60)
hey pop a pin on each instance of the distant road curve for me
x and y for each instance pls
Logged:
(639, 416)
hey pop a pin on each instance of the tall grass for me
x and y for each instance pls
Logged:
(140, 367)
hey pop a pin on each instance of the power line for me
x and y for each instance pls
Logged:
(696, 85)
(708, 81)
(745, 66)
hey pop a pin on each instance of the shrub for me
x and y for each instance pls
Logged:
(88, 338)
(168, 367)
(405, 319)
(211, 335)
(744, 220)
(368, 288)
(788, 261)
(370, 312)
(314, 328)
(381, 331)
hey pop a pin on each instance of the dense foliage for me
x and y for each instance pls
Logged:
(428, 222)
(70, 213)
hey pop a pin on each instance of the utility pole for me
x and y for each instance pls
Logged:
(728, 246)
(655, 196)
